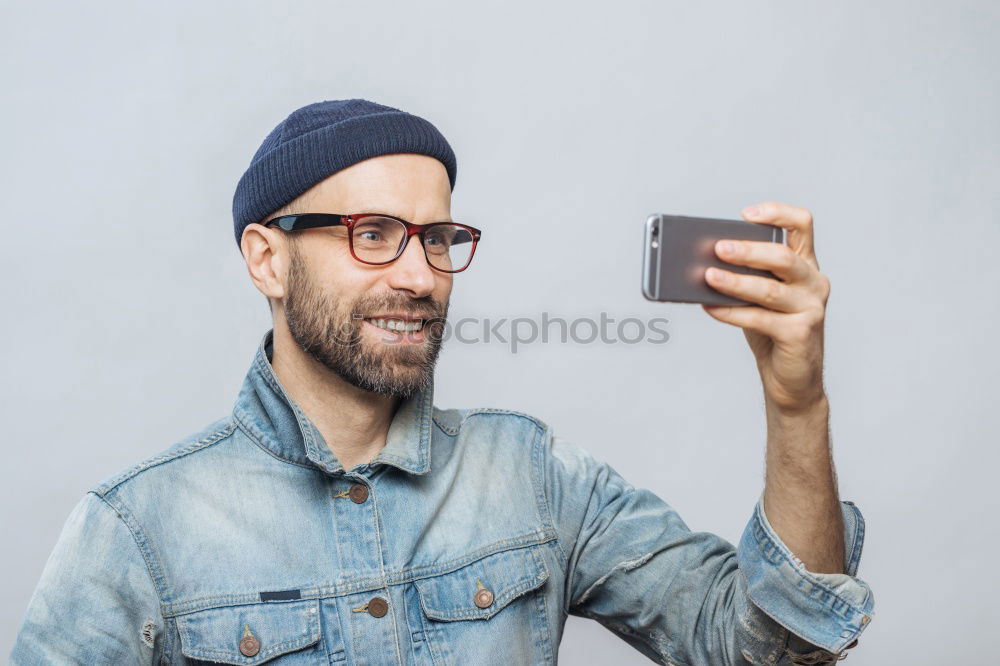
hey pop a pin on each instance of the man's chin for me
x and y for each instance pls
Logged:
(394, 369)
(396, 357)
(401, 385)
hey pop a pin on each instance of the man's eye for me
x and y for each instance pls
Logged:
(437, 239)
(370, 235)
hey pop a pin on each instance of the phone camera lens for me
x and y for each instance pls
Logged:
(656, 231)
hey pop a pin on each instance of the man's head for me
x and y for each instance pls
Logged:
(330, 302)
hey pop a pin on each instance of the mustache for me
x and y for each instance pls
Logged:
(431, 310)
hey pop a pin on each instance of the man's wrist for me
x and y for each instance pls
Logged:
(818, 406)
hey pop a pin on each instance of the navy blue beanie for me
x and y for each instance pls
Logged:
(318, 140)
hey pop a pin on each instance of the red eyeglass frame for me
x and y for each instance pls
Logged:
(301, 221)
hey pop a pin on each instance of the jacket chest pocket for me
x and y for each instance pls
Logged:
(275, 632)
(490, 611)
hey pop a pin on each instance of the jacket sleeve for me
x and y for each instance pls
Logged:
(692, 598)
(95, 602)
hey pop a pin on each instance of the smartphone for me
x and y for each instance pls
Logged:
(678, 249)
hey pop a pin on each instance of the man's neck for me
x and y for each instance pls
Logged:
(354, 423)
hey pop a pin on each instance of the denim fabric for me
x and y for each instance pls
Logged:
(481, 530)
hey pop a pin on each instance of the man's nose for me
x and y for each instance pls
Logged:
(411, 272)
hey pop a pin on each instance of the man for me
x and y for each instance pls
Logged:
(337, 515)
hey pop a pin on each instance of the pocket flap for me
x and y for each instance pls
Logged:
(480, 590)
(214, 634)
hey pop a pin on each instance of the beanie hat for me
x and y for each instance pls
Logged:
(317, 140)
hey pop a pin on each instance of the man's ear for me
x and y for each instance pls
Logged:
(266, 256)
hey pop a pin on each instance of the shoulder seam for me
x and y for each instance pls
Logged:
(489, 411)
(120, 513)
(103, 489)
(441, 426)
(467, 412)
(541, 444)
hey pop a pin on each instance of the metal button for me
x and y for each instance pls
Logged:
(378, 607)
(249, 645)
(484, 598)
(358, 493)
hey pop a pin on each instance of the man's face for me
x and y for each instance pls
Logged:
(333, 302)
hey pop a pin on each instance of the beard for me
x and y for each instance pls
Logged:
(330, 331)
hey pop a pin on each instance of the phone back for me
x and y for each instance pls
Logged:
(679, 249)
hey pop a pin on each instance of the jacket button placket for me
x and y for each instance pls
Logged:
(371, 612)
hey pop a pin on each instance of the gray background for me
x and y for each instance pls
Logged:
(130, 319)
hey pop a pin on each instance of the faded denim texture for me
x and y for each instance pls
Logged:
(248, 528)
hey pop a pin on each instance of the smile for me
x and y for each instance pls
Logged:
(397, 325)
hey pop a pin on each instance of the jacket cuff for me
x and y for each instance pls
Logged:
(827, 610)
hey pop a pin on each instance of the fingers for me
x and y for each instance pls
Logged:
(780, 327)
(775, 257)
(765, 291)
(800, 286)
(788, 308)
(797, 220)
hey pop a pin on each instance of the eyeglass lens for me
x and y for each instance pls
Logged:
(378, 239)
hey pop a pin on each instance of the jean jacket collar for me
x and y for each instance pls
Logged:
(278, 424)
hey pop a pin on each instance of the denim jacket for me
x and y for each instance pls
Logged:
(467, 540)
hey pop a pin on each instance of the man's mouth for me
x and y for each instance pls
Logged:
(396, 324)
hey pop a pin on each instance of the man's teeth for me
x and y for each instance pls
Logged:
(396, 324)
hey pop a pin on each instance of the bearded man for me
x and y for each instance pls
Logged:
(337, 515)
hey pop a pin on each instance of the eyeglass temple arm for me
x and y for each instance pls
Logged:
(307, 221)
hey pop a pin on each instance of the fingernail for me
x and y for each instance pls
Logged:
(716, 274)
(727, 247)
(752, 211)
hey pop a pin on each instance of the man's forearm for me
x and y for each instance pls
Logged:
(800, 489)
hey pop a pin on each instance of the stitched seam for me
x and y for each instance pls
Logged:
(777, 621)
(539, 447)
(859, 538)
(302, 420)
(499, 603)
(152, 567)
(364, 585)
(804, 573)
(445, 429)
(312, 635)
(309, 441)
(543, 629)
(425, 432)
(263, 367)
(260, 445)
(169, 631)
(381, 567)
(160, 459)
(265, 371)
(516, 543)
(291, 642)
(496, 411)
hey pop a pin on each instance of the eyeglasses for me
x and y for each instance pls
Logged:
(378, 239)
